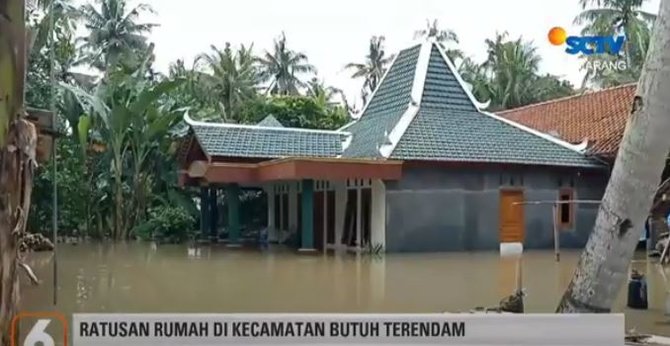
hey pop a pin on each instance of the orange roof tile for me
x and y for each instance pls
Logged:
(599, 117)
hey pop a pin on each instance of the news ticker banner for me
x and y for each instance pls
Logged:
(340, 329)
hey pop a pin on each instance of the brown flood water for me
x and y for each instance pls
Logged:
(174, 278)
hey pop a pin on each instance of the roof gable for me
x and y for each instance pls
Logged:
(598, 117)
(270, 121)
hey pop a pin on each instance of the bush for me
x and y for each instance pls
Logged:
(167, 223)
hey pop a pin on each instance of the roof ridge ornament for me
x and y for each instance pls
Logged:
(454, 71)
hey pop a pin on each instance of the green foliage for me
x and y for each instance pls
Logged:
(297, 111)
(509, 77)
(282, 68)
(114, 35)
(167, 224)
(374, 67)
(72, 192)
(610, 17)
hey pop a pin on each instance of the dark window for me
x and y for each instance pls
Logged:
(565, 210)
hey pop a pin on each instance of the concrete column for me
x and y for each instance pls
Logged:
(280, 227)
(204, 211)
(378, 217)
(214, 214)
(340, 206)
(233, 201)
(325, 219)
(272, 228)
(293, 207)
(359, 217)
(307, 205)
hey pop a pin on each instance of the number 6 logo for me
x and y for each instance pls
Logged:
(38, 334)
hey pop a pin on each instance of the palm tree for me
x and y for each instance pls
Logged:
(509, 76)
(230, 78)
(321, 93)
(513, 64)
(603, 265)
(444, 37)
(282, 67)
(114, 32)
(611, 17)
(64, 15)
(374, 67)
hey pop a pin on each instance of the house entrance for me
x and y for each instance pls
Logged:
(511, 216)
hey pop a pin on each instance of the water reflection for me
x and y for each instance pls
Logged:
(175, 278)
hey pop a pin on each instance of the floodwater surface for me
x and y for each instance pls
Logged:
(140, 277)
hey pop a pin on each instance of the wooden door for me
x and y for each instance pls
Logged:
(511, 216)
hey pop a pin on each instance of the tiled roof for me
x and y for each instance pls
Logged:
(230, 140)
(385, 108)
(270, 121)
(444, 123)
(420, 111)
(599, 117)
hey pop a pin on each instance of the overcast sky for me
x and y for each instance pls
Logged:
(334, 33)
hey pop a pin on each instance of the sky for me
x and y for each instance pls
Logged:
(334, 33)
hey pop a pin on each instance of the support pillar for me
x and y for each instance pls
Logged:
(307, 204)
(340, 209)
(214, 214)
(293, 205)
(233, 201)
(204, 211)
(272, 228)
(378, 214)
(359, 218)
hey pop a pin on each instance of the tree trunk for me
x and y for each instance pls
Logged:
(17, 162)
(635, 178)
(18, 141)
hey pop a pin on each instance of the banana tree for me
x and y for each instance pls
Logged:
(148, 126)
(129, 122)
(18, 140)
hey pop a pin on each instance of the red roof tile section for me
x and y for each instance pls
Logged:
(599, 117)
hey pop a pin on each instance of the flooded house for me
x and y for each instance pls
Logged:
(596, 120)
(424, 167)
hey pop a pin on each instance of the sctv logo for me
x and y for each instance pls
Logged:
(586, 45)
(42, 324)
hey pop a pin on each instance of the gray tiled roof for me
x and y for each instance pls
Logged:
(250, 141)
(270, 121)
(468, 136)
(386, 107)
(449, 127)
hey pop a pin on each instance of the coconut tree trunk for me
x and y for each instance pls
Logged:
(635, 178)
(18, 140)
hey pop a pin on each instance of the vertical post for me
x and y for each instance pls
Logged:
(325, 216)
(214, 214)
(307, 232)
(272, 228)
(293, 205)
(340, 211)
(378, 214)
(54, 149)
(204, 210)
(280, 227)
(557, 237)
(359, 217)
(233, 200)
